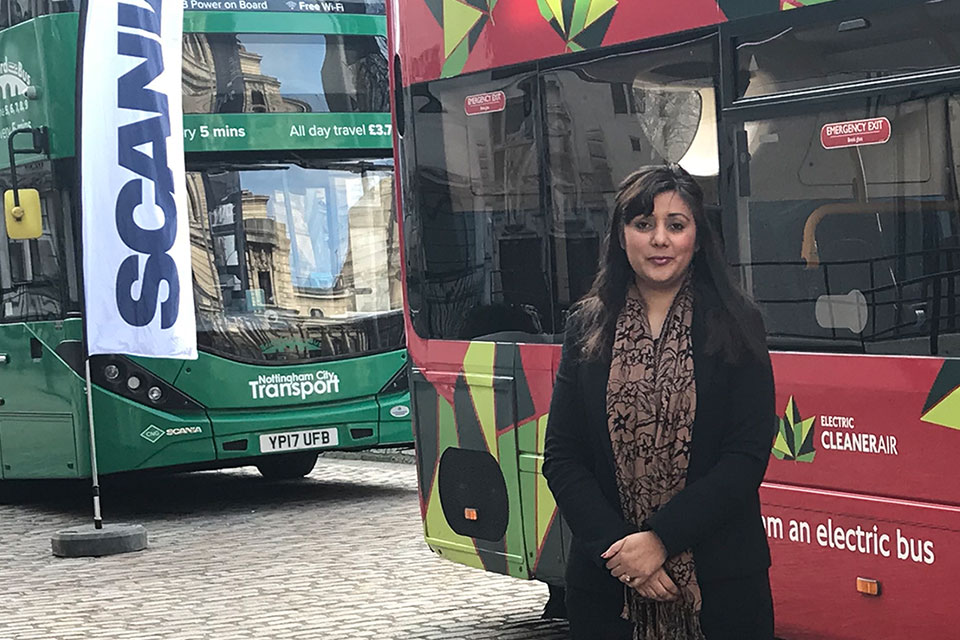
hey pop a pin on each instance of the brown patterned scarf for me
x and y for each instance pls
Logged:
(651, 404)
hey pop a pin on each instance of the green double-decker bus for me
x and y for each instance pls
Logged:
(294, 244)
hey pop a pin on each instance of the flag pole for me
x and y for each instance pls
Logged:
(96, 540)
(94, 475)
(78, 132)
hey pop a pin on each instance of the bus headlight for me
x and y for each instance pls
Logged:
(120, 375)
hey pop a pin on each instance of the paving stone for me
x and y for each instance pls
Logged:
(338, 556)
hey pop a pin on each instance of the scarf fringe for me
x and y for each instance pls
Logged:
(662, 620)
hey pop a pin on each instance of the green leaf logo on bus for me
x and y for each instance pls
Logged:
(795, 437)
(581, 23)
(462, 22)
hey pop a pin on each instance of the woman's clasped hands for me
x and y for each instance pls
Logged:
(637, 561)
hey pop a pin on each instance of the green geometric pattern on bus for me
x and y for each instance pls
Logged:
(795, 436)
(540, 508)
(581, 23)
(798, 4)
(462, 23)
(943, 403)
(486, 406)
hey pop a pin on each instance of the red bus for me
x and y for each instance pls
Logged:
(824, 139)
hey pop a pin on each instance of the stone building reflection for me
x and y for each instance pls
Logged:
(221, 76)
(225, 227)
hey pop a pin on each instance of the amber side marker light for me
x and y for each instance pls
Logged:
(868, 587)
(470, 514)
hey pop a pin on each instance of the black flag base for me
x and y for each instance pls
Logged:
(111, 539)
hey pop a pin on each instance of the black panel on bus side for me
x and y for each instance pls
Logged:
(478, 254)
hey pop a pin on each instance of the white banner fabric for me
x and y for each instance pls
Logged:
(138, 282)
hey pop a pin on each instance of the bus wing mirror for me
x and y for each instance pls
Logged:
(23, 217)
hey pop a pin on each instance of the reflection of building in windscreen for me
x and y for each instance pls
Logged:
(284, 73)
(581, 173)
(266, 241)
(206, 278)
(221, 76)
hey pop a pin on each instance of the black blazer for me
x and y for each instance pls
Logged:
(717, 514)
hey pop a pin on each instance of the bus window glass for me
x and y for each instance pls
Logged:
(295, 263)
(848, 245)
(478, 261)
(16, 11)
(284, 73)
(609, 117)
(923, 36)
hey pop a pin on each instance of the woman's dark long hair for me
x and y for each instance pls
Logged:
(734, 327)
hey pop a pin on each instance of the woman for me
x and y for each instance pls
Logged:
(660, 429)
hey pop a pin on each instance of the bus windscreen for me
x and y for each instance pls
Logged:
(293, 263)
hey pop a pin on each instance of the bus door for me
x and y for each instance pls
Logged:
(39, 394)
(846, 230)
(477, 270)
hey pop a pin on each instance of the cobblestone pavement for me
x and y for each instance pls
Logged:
(339, 555)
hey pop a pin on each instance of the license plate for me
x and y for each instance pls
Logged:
(295, 440)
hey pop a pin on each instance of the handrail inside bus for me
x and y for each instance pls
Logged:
(809, 251)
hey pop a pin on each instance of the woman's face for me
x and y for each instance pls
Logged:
(660, 246)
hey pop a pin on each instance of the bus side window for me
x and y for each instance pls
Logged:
(605, 119)
(850, 247)
(479, 231)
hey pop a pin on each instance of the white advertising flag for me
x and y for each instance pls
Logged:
(138, 282)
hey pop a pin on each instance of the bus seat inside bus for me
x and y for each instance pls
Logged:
(809, 251)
